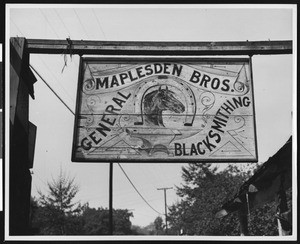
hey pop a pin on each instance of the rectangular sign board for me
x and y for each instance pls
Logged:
(166, 110)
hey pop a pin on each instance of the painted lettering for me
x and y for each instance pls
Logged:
(114, 81)
(102, 128)
(217, 125)
(94, 138)
(86, 144)
(195, 77)
(101, 83)
(177, 70)
(108, 119)
(139, 72)
(123, 76)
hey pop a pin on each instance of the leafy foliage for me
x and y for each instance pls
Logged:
(203, 192)
(145, 230)
(159, 226)
(96, 221)
(154, 228)
(56, 213)
(138, 230)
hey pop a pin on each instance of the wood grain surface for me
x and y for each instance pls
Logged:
(165, 110)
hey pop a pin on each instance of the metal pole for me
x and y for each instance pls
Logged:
(111, 198)
(165, 196)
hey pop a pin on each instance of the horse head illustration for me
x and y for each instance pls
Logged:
(158, 101)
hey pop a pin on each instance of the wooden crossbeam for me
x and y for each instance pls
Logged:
(82, 47)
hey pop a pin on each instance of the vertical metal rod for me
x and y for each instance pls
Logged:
(111, 198)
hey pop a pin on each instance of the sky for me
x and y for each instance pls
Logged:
(272, 77)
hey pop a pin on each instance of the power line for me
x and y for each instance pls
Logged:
(49, 23)
(137, 190)
(35, 174)
(62, 21)
(99, 24)
(55, 77)
(17, 28)
(51, 89)
(80, 22)
(64, 26)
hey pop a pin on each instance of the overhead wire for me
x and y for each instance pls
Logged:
(35, 174)
(51, 89)
(74, 114)
(55, 77)
(62, 21)
(137, 190)
(99, 23)
(49, 23)
(62, 87)
(18, 29)
(81, 23)
(118, 163)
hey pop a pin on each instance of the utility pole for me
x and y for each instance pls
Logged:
(165, 194)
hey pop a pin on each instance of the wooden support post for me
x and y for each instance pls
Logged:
(21, 86)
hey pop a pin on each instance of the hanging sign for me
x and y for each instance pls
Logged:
(165, 110)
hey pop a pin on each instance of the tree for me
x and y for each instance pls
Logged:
(137, 230)
(34, 208)
(56, 213)
(121, 222)
(159, 227)
(148, 230)
(204, 190)
(96, 221)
